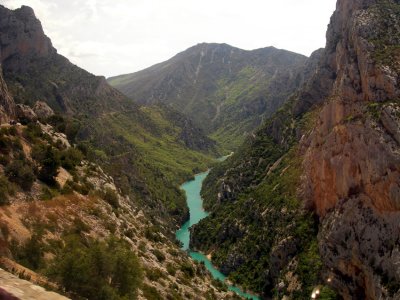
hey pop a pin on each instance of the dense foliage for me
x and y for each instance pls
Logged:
(258, 225)
(98, 270)
(143, 153)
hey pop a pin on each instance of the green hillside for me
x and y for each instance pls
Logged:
(225, 90)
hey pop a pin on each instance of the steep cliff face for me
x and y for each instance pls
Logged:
(352, 162)
(35, 71)
(349, 137)
(20, 42)
(7, 105)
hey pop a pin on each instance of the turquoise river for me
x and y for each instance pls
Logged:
(192, 189)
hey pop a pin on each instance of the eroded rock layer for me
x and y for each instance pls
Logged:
(352, 162)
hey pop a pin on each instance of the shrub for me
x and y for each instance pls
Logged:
(111, 197)
(151, 293)
(71, 158)
(142, 246)
(6, 189)
(20, 172)
(32, 132)
(29, 254)
(5, 144)
(79, 226)
(187, 269)
(68, 126)
(160, 256)
(171, 269)
(327, 293)
(154, 274)
(98, 270)
(151, 233)
(12, 131)
(48, 194)
(16, 145)
(4, 160)
(49, 159)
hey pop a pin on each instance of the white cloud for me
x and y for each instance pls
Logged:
(121, 36)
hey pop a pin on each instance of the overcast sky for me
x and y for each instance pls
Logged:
(111, 37)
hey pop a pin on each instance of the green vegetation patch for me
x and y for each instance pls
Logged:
(97, 270)
(258, 226)
(386, 37)
(145, 158)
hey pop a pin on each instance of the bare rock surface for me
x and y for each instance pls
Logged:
(7, 105)
(352, 157)
(25, 113)
(25, 290)
(42, 110)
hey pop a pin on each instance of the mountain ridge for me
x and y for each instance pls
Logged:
(225, 90)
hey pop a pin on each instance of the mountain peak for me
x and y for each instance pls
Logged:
(26, 10)
(22, 37)
(219, 86)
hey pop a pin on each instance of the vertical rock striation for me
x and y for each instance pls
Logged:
(7, 105)
(352, 161)
(22, 37)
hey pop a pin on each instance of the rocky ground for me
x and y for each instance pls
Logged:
(12, 288)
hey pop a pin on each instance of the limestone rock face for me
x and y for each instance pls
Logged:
(357, 244)
(355, 157)
(21, 33)
(7, 105)
(42, 110)
(34, 70)
(352, 158)
(25, 113)
(352, 150)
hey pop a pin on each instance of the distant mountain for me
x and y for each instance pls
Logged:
(227, 91)
(149, 151)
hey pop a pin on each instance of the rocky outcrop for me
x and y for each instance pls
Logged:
(25, 113)
(13, 287)
(22, 37)
(359, 245)
(7, 105)
(356, 124)
(57, 137)
(42, 110)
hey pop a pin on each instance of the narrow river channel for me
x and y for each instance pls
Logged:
(195, 203)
